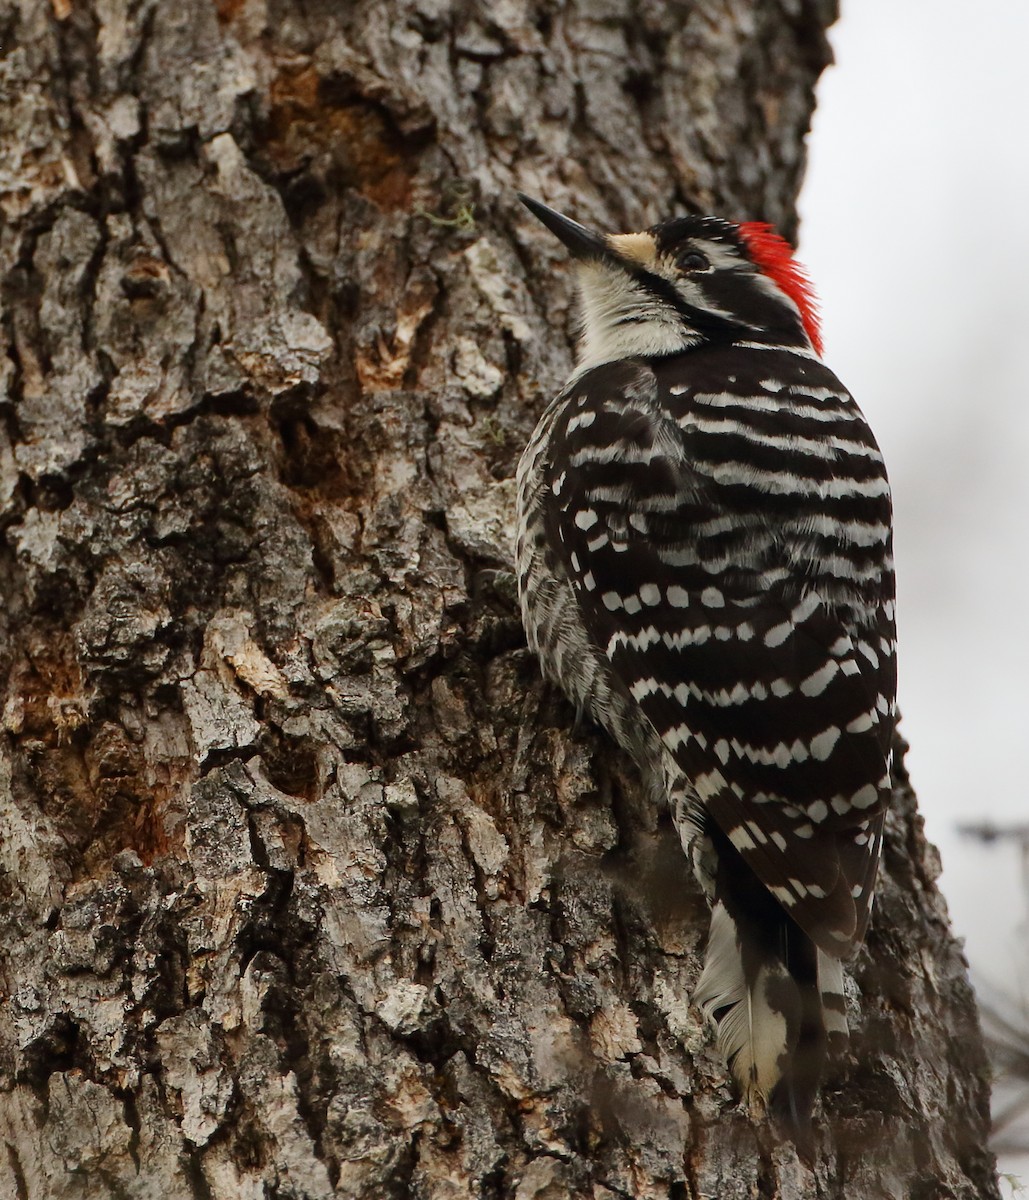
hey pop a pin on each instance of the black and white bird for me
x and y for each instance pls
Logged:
(705, 565)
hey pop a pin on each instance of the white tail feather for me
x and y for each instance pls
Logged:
(751, 1033)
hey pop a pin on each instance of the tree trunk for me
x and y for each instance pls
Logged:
(309, 889)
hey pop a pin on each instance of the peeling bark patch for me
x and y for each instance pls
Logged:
(229, 10)
(306, 118)
(48, 699)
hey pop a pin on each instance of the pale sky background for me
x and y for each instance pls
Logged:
(916, 233)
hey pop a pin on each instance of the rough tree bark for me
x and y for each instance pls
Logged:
(308, 889)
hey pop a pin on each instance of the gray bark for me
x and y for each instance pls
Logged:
(308, 888)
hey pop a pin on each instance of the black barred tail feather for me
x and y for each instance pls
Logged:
(834, 1003)
(772, 996)
(705, 563)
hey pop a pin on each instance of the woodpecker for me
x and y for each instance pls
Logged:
(705, 565)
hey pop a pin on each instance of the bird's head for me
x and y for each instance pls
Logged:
(685, 283)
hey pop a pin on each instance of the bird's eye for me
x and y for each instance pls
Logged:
(692, 260)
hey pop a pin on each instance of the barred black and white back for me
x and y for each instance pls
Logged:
(705, 564)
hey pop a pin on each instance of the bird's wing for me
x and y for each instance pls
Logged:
(776, 707)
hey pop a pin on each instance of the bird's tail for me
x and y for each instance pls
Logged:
(774, 998)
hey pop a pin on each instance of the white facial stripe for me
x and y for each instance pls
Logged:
(718, 254)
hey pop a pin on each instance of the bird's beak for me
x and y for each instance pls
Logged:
(582, 242)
